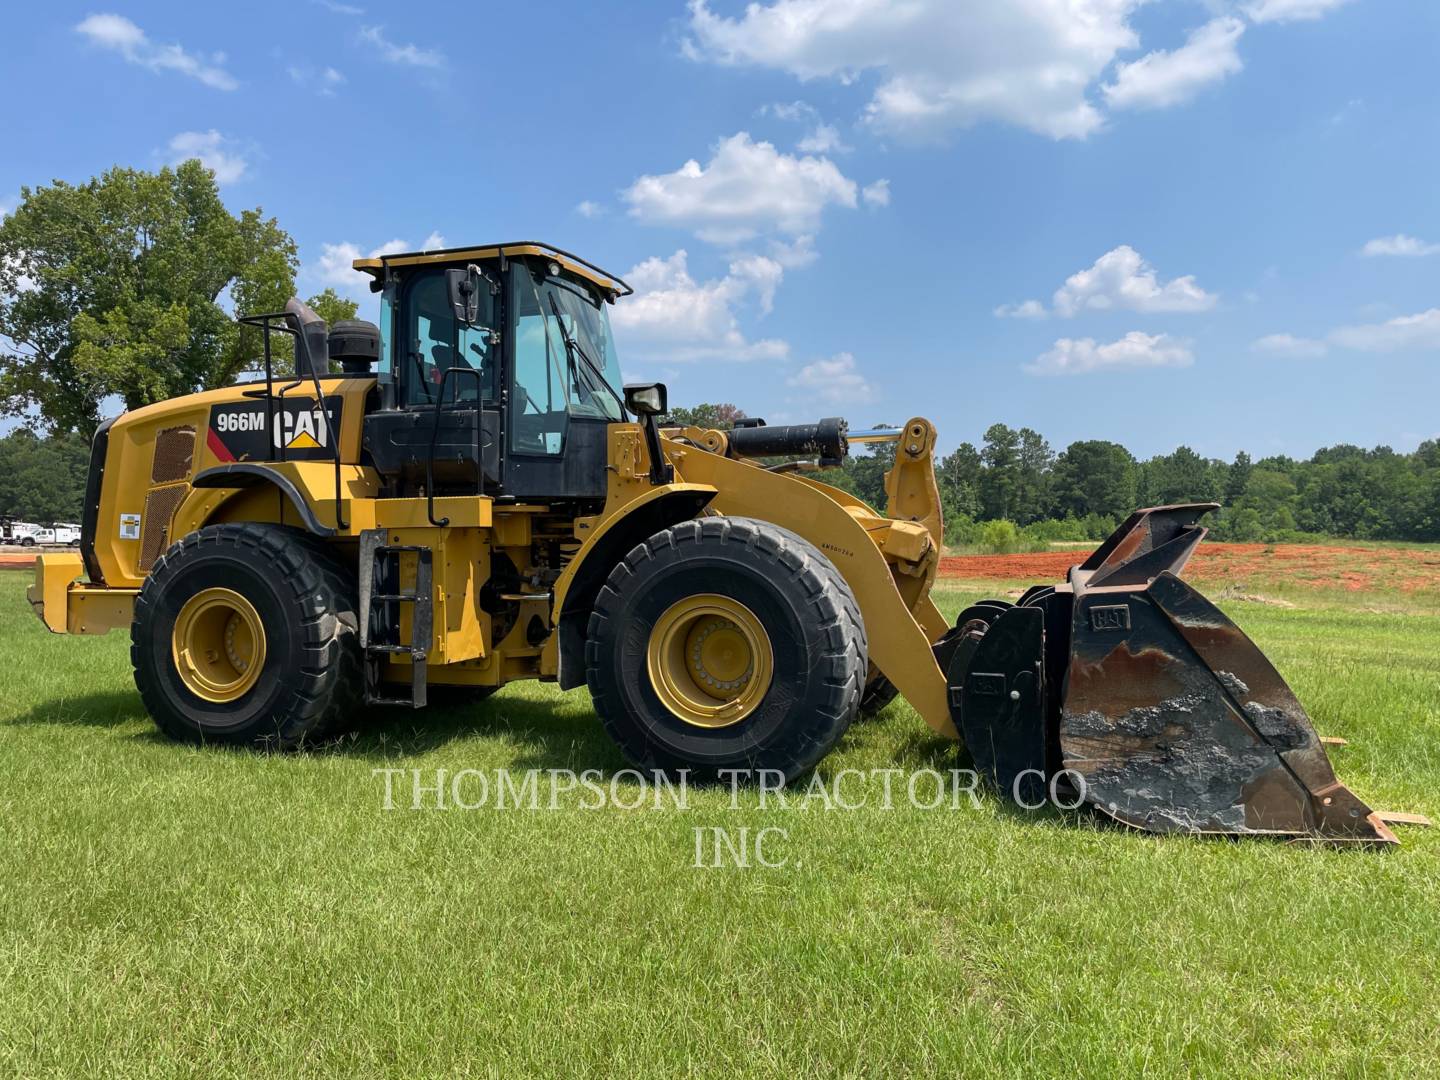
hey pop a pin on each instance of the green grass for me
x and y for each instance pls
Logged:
(172, 911)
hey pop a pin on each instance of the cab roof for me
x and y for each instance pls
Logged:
(610, 283)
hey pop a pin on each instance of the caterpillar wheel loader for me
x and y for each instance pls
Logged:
(464, 495)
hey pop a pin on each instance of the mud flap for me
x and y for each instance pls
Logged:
(1178, 723)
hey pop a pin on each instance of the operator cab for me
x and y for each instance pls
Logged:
(501, 358)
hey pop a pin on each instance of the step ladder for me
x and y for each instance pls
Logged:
(381, 601)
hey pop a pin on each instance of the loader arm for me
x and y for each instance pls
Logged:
(881, 560)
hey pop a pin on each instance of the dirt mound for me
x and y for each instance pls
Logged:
(1355, 569)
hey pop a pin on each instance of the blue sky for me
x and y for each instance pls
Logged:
(1208, 222)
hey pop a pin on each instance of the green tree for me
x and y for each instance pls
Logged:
(958, 476)
(42, 480)
(332, 307)
(1094, 476)
(1033, 475)
(115, 287)
(718, 417)
(1000, 481)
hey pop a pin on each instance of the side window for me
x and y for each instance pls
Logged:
(539, 398)
(433, 343)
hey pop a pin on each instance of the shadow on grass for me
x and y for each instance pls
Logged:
(104, 709)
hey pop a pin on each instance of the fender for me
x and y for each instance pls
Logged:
(626, 526)
(306, 487)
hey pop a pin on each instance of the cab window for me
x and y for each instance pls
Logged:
(434, 342)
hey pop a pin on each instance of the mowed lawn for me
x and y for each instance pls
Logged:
(166, 910)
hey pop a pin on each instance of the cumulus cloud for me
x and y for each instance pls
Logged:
(745, 189)
(1420, 331)
(1122, 280)
(1289, 345)
(876, 194)
(1261, 11)
(119, 34)
(393, 52)
(1162, 79)
(834, 381)
(586, 208)
(1026, 309)
(216, 152)
(324, 81)
(1399, 244)
(333, 267)
(1404, 333)
(1071, 356)
(676, 318)
(941, 64)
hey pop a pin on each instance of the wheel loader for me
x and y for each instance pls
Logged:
(465, 495)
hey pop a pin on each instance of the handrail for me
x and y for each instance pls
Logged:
(266, 324)
(435, 436)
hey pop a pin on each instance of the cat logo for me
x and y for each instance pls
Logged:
(300, 430)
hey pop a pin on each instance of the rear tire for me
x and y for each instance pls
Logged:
(793, 601)
(284, 589)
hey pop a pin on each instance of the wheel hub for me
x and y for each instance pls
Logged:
(710, 660)
(218, 645)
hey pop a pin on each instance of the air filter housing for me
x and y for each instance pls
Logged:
(356, 344)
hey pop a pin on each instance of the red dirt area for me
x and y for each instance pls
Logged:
(15, 558)
(1355, 569)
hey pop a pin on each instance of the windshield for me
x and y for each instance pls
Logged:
(568, 322)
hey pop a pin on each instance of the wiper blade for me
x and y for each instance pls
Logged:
(571, 343)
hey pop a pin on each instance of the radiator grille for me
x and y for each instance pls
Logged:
(174, 453)
(160, 507)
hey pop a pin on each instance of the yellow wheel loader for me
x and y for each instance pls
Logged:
(464, 495)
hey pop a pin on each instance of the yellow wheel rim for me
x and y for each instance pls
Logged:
(710, 660)
(218, 644)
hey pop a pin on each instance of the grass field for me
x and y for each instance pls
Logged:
(172, 911)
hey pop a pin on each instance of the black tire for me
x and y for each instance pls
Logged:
(879, 692)
(808, 612)
(27, 541)
(313, 676)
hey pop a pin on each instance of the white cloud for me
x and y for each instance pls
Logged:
(1135, 350)
(876, 194)
(8, 203)
(834, 381)
(1121, 279)
(822, 139)
(1399, 244)
(333, 267)
(325, 81)
(1290, 10)
(1027, 309)
(395, 53)
(745, 189)
(1161, 79)
(942, 64)
(215, 151)
(672, 317)
(586, 208)
(1289, 345)
(341, 9)
(1420, 331)
(119, 34)
(795, 254)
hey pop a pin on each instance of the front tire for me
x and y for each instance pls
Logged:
(247, 634)
(726, 643)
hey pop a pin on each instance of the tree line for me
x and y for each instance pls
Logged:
(1083, 491)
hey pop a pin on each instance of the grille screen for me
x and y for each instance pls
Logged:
(160, 507)
(174, 452)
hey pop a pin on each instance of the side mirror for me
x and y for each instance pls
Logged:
(463, 287)
(646, 399)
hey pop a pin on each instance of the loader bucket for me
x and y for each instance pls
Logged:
(1136, 694)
